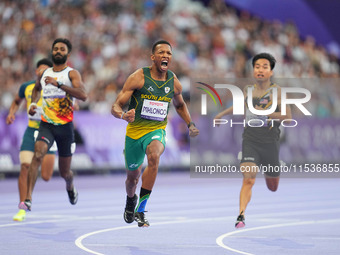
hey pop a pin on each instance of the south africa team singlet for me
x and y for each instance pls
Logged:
(151, 103)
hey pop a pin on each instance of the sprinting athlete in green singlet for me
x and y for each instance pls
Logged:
(150, 91)
(151, 104)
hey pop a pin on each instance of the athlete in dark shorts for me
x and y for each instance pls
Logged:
(60, 85)
(260, 146)
(151, 89)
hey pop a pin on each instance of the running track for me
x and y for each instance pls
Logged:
(187, 216)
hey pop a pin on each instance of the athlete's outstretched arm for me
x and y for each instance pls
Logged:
(133, 82)
(230, 109)
(278, 115)
(223, 113)
(13, 109)
(182, 109)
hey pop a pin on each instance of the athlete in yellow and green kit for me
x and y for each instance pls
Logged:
(28, 140)
(150, 91)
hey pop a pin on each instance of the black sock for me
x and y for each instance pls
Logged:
(144, 192)
(130, 199)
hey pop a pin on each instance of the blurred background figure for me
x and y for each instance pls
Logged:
(28, 140)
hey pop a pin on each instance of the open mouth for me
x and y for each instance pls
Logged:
(164, 64)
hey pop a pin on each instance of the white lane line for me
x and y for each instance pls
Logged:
(58, 219)
(79, 240)
(219, 240)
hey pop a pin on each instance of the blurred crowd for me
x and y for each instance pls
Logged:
(112, 38)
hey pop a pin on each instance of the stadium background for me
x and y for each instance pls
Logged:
(113, 38)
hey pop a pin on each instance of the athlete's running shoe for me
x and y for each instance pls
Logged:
(26, 205)
(73, 195)
(129, 212)
(240, 221)
(141, 219)
(20, 216)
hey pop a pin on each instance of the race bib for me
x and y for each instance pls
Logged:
(254, 120)
(51, 91)
(154, 110)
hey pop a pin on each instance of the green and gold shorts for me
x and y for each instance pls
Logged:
(135, 149)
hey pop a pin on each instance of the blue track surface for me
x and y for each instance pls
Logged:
(187, 216)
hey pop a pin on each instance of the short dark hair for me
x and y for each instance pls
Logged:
(160, 42)
(63, 40)
(44, 61)
(267, 56)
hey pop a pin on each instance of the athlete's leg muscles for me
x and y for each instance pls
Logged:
(22, 181)
(153, 152)
(132, 178)
(47, 167)
(25, 161)
(249, 171)
(272, 183)
(65, 171)
(40, 149)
